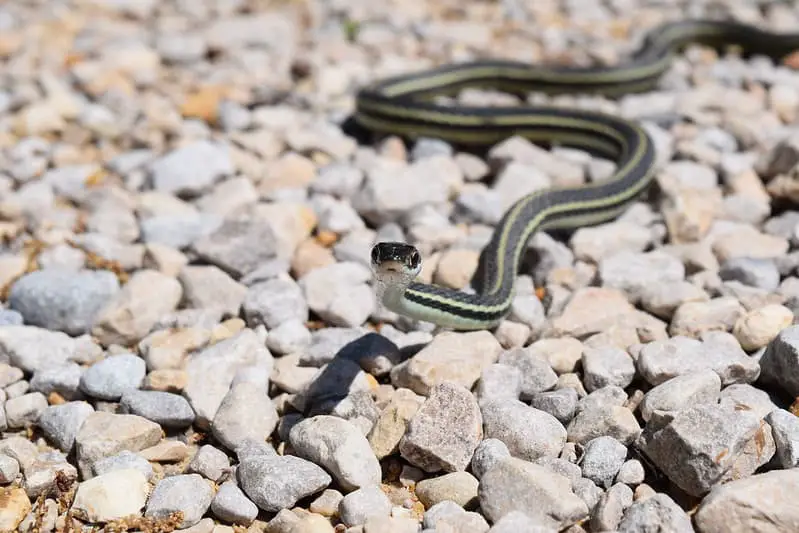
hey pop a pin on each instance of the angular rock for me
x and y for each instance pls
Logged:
(445, 430)
(516, 485)
(339, 447)
(527, 432)
(274, 483)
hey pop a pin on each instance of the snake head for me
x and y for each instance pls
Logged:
(396, 259)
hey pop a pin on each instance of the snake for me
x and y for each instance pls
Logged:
(406, 105)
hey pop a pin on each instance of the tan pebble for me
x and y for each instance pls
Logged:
(393, 148)
(290, 171)
(166, 451)
(758, 327)
(689, 213)
(166, 380)
(749, 243)
(203, 104)
(562, 353)
(15, 506)
(310, 255)
(512, 334)
(327, 238)
(163, 258)
(227, 329)
(456, 267)
(312, 523)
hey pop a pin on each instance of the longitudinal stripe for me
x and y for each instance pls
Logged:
(404, 105)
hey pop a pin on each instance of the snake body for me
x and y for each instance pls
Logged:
(404, 106)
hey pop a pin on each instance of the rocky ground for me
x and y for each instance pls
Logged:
(189, 335)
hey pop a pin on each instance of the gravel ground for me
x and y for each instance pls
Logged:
(189, 337)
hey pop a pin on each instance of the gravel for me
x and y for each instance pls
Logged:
(188, 319)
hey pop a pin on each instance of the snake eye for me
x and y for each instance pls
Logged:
(375, 254)
(415, 259)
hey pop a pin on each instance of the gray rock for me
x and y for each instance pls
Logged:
(211, 371)
(561, 466)
(359, 408)
(326, 343)
(9, 317)
(606, 420)
(677, 393)
(517, 522)
(528, 432)
(112, 377)
(238, 246)
(359, 505)
(785, 428)
(61, 423)
(209, 462)
(537, 376)
(704, 445)
(745, 396)
(607, 366)
(755, 272)
(246, 413)
(375, 353)
(602, 459)
(9, 469)
(445, 431)
(122, 461)
(274, 302)
(104, 434)
(164, 408)
(560, 403)
(634, 272)
(62, 300)
(274, 483)
(516, 485)
(190, 169)
(487, 454)
(338, 446)
(607, 396)
(588, 491)
(780, 362)
(718, 351)
(25, 410)
(631, 472)
(208, 286)
(31, 348)
(63, 379)
(498, 382)
(231, 505)
(178, 230)
(610, 508)
(656, 513)
(186, 493)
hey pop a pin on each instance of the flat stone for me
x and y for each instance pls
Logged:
(517, 485)
(736, 505)
(164, 408)
(456, 357)
(458, 487)
(361, 504)
(275, 483)
(717, 351)
(112, 377)
(111, 496)
(679, 392)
